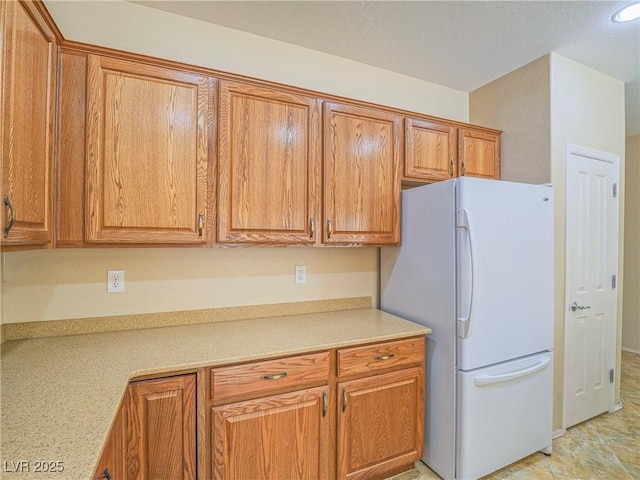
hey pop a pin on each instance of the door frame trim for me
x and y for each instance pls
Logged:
(614, 159)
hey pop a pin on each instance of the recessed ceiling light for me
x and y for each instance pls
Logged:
(628, 13)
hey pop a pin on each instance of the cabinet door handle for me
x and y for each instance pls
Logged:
(383, 357)
(312, 228)
(106, 474)
(464, 169)
(12, 216)
(325, 405)
(452, 168)
(200, 225)
(329, 228)
(275, 376)
(344, 399)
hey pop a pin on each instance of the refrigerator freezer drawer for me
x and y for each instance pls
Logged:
(504, 413)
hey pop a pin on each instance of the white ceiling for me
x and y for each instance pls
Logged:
(459, 44)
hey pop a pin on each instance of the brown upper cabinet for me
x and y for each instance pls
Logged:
(269, 165)
(270, 162)
(152, 152)
(361, 175)
(430, 152)
(148, 153)
(437, 151)
(28, 69)
(478, 153)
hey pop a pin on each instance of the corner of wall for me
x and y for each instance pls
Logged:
(631, 286)
(518, 103)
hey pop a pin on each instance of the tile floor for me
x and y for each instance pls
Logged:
(606, 447)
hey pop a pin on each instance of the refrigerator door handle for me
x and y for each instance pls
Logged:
(487, 379)
(464, 223)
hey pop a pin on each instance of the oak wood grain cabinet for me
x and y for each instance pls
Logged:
(380, 408)
(351, 413)
(268, 165)
(154, 433)
(361, 188)
(478, 153)
(28, 69)
(430, 150)
(112, 463)
(437, 151)
(148, 153)
(280, 436)
(282, 429)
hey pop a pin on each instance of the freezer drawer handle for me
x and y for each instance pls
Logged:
(383, 357)
(505, 377)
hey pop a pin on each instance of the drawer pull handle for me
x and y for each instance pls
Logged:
(106, 474)
(344, 399)
(325, 405)
(275, 376)
(383, 357)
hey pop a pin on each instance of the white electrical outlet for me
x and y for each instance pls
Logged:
(115, 281)
(301, 274)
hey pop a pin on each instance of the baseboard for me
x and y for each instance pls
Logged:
(632, 350)
(558, 433)
(616, 407)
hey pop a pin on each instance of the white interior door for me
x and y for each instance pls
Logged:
(590, 294)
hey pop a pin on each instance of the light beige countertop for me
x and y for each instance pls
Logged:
(59, 395)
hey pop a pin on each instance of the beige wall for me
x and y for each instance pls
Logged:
(59, 284)
(519, 104)
(631, 305)
(141, 29)
(564, 103)
(587, 109)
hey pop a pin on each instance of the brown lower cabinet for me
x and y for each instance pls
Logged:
(379, 426)
(154, 433)
(281, 436)
(351, 413)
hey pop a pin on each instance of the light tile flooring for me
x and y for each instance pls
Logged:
(604, 448)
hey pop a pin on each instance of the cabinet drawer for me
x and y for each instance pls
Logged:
(269, 375)
(353, 361)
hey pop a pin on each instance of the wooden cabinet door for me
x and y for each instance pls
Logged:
(148, 153)
(112, 461)
(361, 175)
(269, 165)
(161, 429)
(380, 423)
(27, 79)
(430, 150)
(277, 437)
(478, 154)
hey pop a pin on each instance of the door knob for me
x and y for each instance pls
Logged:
(574, 306)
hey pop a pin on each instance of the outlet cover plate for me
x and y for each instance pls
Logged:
(301, 274)
(115, 281)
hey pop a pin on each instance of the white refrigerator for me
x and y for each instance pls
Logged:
(476, 266)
